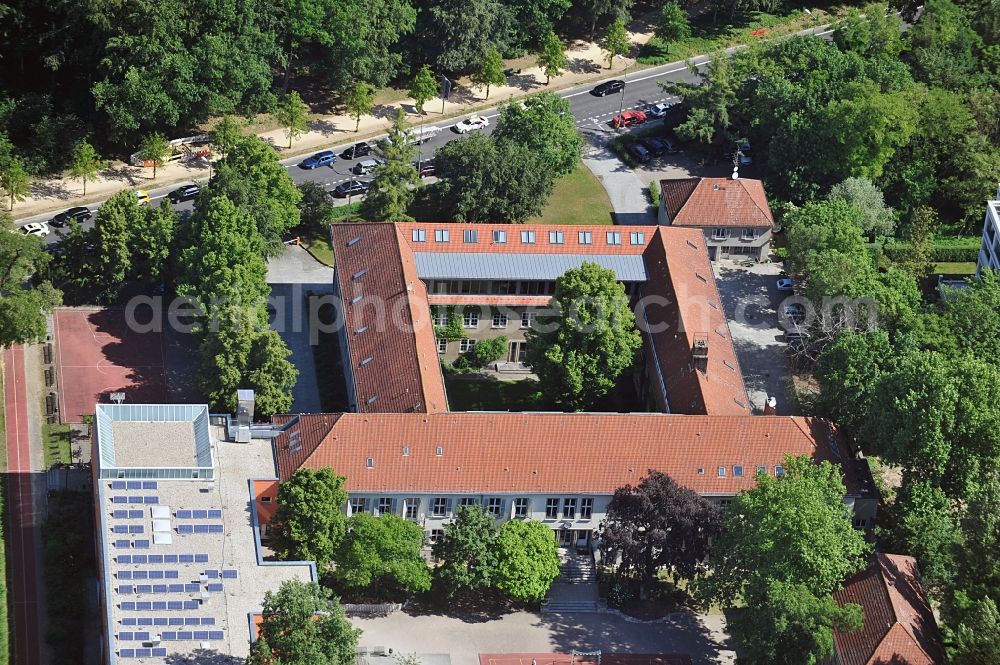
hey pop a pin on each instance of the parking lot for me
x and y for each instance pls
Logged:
(752, 301)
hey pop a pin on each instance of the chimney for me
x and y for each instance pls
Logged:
(770, 406)
(699, 352)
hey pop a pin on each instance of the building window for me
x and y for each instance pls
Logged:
(737, 471)
(435, 536)
(440, 506)
(441, 316)
(720, 234)
(586, 238)
(614, 238)
(569, 508)
(528, 237)
(499, 236)
(494, 506)
(637, 237)
(385, 505)
(551, 509)
(526, 319)
(412, 509)
(521, 507)
(748, 234)
(265, 499)
(467, 502)
(466, 345)
(442, 346)
(725, 502)
(555, 237)
(441, 235)
(586, 508)
(358, 505)
(419, 235)
(499, 320)
(779, 471)
(761, 469)
(860, 523)
(470, 235)
(470, 319)
(722, 472)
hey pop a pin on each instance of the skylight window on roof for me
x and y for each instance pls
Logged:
(359, 274)
(419, 235)
(701, 277)
(556, 238)
(470, 235)
(442, 235)
(779, 471)
(356, 299)
(614, 238)
(499, 236)
(737, 471)
(722, 472)
(353, 241)
(439, 452)
(586, 238)
(360, 330)
(701, 471)
(372, 399)
(406, 451)
(370, 463)
(528, 237)
(367, 360)
(692, 245)
(728, 364)
(637, 237)
(761, 470)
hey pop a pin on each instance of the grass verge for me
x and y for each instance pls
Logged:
(955, 268)
(56, 444)
(578, 198)
(475, 393)
(68, 537)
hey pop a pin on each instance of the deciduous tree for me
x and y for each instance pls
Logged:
(423, 88)
(85, 163)
(382, 551)
(14, 180)
(468, 552)
(359, 100)
(457, 33)
(877, 218)
(226, 134)
(155, 149)
(580, 352)
(552, 56)
(615, 41)
(490, 71)
(23, 310)
(310, 523)
(293, 114)
(315, 209)
(270, 374)
(392, 188)
(674, 25)
(529, 560)
(545, 125)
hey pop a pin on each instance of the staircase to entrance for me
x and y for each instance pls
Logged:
(576, 588)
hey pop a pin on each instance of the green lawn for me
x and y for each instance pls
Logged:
(578, 198)
(955, 268)
(56, 446)
(473, 393)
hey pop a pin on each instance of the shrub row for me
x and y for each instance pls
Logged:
(946, 250)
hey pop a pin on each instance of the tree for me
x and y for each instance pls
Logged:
(117, 221)
(456, 34)
(583, 349)
(359, 100)
(708, 102)
(151, 240)
(877, 219)
(293, 114)
(392, 188)
(924, 526)
(310, 524)
(468, 552)
(659, 524)
(423, 88)
(490, 71)
(592, 11)
(875, 34)
(552, 56)
(380, 551)
(224, 351)
(14, 180)
(270, 374)
(616, 41)
(226, 134)
(674, 25)
(156, 149)
(977, 639)
(487, 351)
(544, 124)
(315, 210)
(85, 163)
(972, 315)
(529, 560)
(920, 242)
(23, 310)
(302, 625)
(849, 372)
(944, 46)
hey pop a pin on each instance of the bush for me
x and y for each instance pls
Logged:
(945, 250)
(653, 192)
(487, 351)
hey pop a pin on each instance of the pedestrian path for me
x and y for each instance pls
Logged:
(625, 188)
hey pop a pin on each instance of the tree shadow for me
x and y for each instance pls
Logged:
(524, 82)
(127, 174)
(468, 608)
(324, 127)
(388, 111)
(203, 657)
(45, 189)
(584, 66)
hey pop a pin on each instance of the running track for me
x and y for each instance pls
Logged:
(20, 511)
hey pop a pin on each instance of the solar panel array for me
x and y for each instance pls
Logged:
(168, 621)
(157, 652)
(207, 514)
(188, 529)
(161, 558)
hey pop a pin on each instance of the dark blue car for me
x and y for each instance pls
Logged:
(324, 158)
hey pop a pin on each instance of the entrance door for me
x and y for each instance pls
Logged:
(566, 537)
(516, 352)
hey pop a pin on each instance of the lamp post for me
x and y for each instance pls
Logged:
(621, 98)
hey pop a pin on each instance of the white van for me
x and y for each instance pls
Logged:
(365, 166)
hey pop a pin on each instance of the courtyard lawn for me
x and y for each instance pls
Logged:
(477, 393)
(578, 198)
(955, 268)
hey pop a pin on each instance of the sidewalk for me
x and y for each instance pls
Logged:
(625, 188)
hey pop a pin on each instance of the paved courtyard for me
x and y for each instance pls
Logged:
(751, 300)
(465, 637)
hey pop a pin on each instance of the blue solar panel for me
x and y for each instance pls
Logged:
(124, 544)
(214, 588)
(183, 514)
(176, 588)
(141, 544)
(145, 621)
(192, 588)
(125, 636)
(124, 574)
(119, 514)
(159, 606)
(133, 485)
(119, 528)
(176, 621)
(199, 514)
(138, 558)
(215, 635)
(159, 588)
(128, 606)
(192, 621)
(171, 574)
(135, 514)
(159, 652)
(143, 636)
(128, 621)
(160, 621)
(126, 653)
(134, 499)
(216, 528)
(201, 528)
(230, 574)
(124, 558)
(215, 514)
(169, 558)
(149, 484)
(139, 575)
(208, 621)
(143, 653)
(151, 499)
(117, 484)
(144, 606)
(175, 605)
(156, 574)
(186, 558)
(125, 588)
(211, 574)
(144, 588)
(184, 635)
(201, 634)
(119, 499)
(168, 636)
(190, 604)
(201, 558)
(185, 528)
(156, 558)
(135, 528)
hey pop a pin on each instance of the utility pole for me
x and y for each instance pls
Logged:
(445, 91)
(621, 99)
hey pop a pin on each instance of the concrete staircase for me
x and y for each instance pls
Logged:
(577, 568)
(576, 588)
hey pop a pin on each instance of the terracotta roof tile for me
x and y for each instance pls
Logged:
(558, 452)
(682, 306)
(712, 202)
(898, 623)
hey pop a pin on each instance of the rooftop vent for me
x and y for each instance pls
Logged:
(406, 451)
(353, 241)
(716, 187)
(359, 274)
(691, 244)
(699, 351)
(702, 277)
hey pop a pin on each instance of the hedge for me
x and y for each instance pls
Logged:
(945, 250)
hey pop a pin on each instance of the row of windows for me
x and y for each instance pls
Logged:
(441, 506)
(503, 287)
(529, 237)
(737, 471)
(745, 234)
(464, 345)
(470, 319)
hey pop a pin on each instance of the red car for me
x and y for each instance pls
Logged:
(628, 118)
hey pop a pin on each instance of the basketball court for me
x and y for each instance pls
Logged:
(96, 354)
(587, 658)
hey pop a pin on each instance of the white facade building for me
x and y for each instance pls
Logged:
(989, 251)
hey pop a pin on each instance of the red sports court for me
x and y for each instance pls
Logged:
(589, 658)
(96, 354)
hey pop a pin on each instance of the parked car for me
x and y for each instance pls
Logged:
(471, 123)
(785, 284)
(184, 193)
(608, 87)
(628, 118)
(79, 213)
(426, 169)
(324, 158)
(357, 150)
(795, 313)
(659, 110)
(142, 197)
(655, 145)
(796, 336)
(365, 166)
(40, 229)
(350, 188)
(639, 152)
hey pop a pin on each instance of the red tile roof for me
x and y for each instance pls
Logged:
(390, 334)
(559, 452)
(484, 238)
(682, 306)
(898, 624)
(715, 202)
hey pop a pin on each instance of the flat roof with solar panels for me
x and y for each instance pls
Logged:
(180, 562)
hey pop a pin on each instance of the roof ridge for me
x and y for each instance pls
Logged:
(883, 558)
(411, 310)
(750, 194)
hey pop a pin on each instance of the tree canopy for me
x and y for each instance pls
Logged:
(380, 551)
(468, 552)
(310, 524)
(528, 560)
(23, 309)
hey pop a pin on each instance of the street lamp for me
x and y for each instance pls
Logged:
(621, 98)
